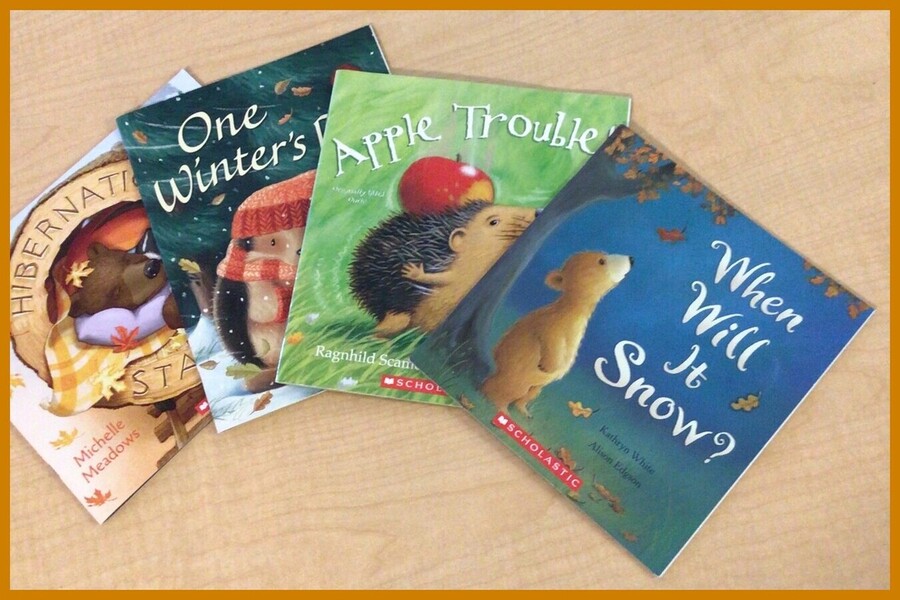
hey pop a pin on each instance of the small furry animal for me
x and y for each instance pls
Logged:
(541, 347)
(121, 279)
(412, 270)
(256, 277)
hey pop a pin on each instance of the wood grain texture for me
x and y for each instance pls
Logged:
(787, 115)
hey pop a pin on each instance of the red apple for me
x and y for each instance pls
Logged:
(434, 183)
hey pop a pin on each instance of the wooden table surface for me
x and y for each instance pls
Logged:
(786, 114)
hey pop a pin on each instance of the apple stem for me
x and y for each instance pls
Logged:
(458, 157)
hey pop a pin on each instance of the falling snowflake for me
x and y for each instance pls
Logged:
(311, 318)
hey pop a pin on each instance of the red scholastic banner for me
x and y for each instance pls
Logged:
(544, 456)
(411, 384)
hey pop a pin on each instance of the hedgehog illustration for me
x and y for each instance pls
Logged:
(412, 270)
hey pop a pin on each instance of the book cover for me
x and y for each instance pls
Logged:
(640, 344)
(102, 383)
(226, 172)
(422, 184)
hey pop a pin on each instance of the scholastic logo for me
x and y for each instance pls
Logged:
(411, 384)
(524, 439)
(202, 407)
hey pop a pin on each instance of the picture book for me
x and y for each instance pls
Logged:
(640, 344)
(226, 173)
(422, 185)
(102, 383)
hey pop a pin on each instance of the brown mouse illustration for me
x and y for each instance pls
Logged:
(541, 347)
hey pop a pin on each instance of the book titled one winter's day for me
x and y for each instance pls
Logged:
(102, 382)
(423, 183)
(640, 344)
(226, 173)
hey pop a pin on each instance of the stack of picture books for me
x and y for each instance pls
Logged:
(316, 223)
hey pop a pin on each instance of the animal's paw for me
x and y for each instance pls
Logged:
(414, 271)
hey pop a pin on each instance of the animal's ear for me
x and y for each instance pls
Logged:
(457, 238)
(96, 249)
(554, 280)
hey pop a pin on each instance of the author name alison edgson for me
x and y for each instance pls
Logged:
(368, 358)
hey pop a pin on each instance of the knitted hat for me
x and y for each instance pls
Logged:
(277, 207)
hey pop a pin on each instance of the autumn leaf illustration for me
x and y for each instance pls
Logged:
(189, 266)
(832, 290)
(209, 365)
(15, 381)
(286, 118)
(671, 235)
(262, 402)
(78, 272)
(629, 537)
(294, 338)
(817, 280)
(692, 187)
(580, 411)
(282, 86)
(139, 136)
(99, 498)
(242, 371)
(631, 173)
(855, 309)
(124, 340)
(106, 383)
(747, 403)
(65, 439)
(566, 457)
(217, 200)
(466, 403)
(645, 195)
(301, 91)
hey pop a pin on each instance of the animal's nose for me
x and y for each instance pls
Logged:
(152, 268)
(631, 260)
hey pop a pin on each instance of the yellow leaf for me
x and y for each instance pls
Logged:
(294, 338)
(16, 381)
(65, 439)
(580, 411)
(282, 86)
(78, 272)
(189, 266)
(747, 403)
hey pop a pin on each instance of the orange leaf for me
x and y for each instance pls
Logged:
(692, 187)
(262, 402)
(139, 136)
(466, 403)
(124, 340)
(282, 86)
(98, 498)
(670, 235)
(645, 195)
(566, 457)
(301, 91)
(286, 118)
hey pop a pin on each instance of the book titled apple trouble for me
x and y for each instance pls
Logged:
(422, 184)
(226, 173)
(640, 344)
